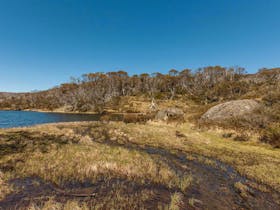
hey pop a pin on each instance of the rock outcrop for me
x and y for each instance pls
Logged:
(170, 113)
(231, 109)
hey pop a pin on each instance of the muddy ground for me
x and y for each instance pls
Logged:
(215, 185)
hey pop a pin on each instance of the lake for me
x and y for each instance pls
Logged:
(9, 119)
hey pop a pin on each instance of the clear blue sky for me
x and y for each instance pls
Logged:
(44, 42)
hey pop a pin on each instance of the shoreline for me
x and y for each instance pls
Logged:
(49, 111)
(65, 112)
(58, 112)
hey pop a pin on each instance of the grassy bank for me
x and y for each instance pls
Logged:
(118, 165)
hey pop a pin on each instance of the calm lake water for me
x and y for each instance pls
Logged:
(10, 119)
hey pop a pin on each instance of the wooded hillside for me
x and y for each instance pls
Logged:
(206, 85)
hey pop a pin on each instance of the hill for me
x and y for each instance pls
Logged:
(95, 91)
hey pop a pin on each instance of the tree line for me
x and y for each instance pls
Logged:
(92, 91)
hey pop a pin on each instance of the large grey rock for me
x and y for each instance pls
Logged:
(171, 112)
(231, 109)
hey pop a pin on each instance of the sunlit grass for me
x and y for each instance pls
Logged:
(176, 201)
(252, 159)
(89, 152)
(82, 163)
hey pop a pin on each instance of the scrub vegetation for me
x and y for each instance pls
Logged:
(158, 154)
(119, 92)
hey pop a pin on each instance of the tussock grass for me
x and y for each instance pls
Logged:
(86, 152)
(116, 197)
(242, 189)
(252, 159)
(51, 204)
(176, 201)
(116, 200)
(65, 154)
(5, 189)
(81, 163)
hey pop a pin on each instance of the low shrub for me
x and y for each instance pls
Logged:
(242, 137)
(271, 135)
(272, 98)
(137, 117)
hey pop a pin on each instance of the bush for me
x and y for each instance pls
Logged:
(242, 137)
(137, 118)
(271, 100)
(271, 135)
(272, 97)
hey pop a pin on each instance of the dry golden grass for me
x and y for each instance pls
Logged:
(90, 151)
(242, 189)
(252, 159)
(51, 204)
(5, 189)
(111, 201)
(176, 201)
(59, 154)
(82, 163)
(141, 104)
